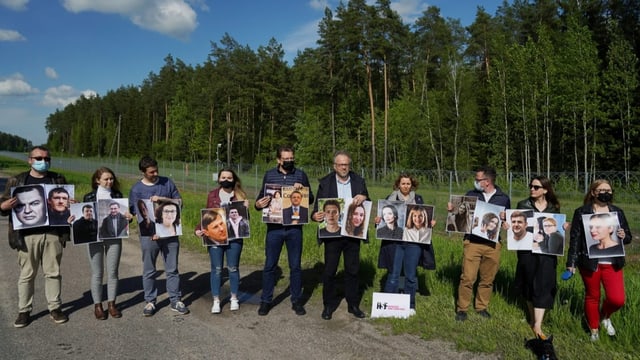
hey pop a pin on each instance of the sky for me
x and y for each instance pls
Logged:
(54, 51)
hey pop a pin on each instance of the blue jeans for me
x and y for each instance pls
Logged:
(291, 236)
(407, 258)
(216, 255)
(169, 248)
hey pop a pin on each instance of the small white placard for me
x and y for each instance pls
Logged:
(390, 305)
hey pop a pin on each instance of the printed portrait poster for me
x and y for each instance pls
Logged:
(392, 216)
(237, 215)
(167, 214)
(417, 227)
(520, 233)
(146, 217)
(213, 224)
(30, 209)
(84, 228)
(548, 234)
(486, 221)
(600, 232)
(273, 212)
(331, 226)
(295, 205)
(460, 219)
(58, 203)
(356, 219)
(112, 223)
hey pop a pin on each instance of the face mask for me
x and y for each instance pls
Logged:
(477, 186)
(288, 165)
(605, 197)
(226, 184)
(40, 166)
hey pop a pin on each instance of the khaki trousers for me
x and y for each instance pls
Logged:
(478, 259)
(46, 250)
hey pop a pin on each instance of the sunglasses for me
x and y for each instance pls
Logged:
(535, 187)
(40, 158)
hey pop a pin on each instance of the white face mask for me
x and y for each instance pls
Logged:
(478, 186)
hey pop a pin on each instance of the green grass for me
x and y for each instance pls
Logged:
(503, 334)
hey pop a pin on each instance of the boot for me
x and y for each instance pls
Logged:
(113, 310)
(99, 312)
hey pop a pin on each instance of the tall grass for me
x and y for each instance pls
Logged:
(503, 334)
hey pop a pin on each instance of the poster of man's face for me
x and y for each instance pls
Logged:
(58, 203)
(31, 207)
(520, 232)
(85, 225)
(113, 223)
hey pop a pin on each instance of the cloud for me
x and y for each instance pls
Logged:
(11, 35)
(16, 86)
(409, 10)
(319, 4)
(304, 37)
(50, 73)
(63, 95)
(175, 18)
(17, 5)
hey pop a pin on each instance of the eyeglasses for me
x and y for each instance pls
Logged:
(604, 191)
(535, 187)
(40, 158)
(483, 179)
(169, 211)
(341, 165)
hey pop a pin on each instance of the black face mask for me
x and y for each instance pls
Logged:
(288, 165)
(226, 184)
(605, 197)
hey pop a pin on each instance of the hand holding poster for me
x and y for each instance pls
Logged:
(331, 210)
(601, 235)
(357, 218)
(460, 215)
(520, 232)
(548, 233)
(486, 221)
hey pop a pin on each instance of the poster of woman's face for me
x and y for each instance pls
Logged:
(600, 234)
(486, 221)
(273, 213)
(459, 219)
(392, 216)
(167, 215)
(356, 219)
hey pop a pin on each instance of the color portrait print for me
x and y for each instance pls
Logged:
(548, 234)
(520, 232)
(356, 219)
(112, 222)
(237, 220)
(295, 205)
(213, 223)
(418, 227)
(486, 221)
(600, 234)
(392, 216)
(31, 207)
(273, 212)
(84, 228)
(58, 203)
(460, 218)
(331, 226)
(167, 214)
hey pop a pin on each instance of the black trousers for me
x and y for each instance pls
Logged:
(350, 249)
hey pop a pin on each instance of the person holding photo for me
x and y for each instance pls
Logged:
(229, 190)
(105, 185)
(345, 184)
(488, 227)
(605, 271)
(535, 277)
(167, 219)
(331, 210)
(480, 256)
(548, 240)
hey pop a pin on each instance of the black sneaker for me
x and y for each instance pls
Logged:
(298, 308)
(58, 316)
(484, 313)
(264, 308)
(461, 316)
(23, 320)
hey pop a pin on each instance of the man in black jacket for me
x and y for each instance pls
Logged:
(345, 184)
(48, 240)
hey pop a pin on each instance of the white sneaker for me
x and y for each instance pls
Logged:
(594, 336)
(607, 325)
(235, 305)
(215, 309)
(412, 312)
